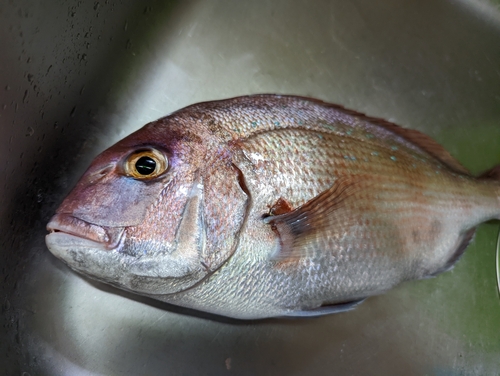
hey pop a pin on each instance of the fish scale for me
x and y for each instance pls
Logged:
(271, 206)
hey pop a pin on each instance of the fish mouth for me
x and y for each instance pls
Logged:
(65, 228)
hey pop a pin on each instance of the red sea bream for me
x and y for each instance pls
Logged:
(266, 205)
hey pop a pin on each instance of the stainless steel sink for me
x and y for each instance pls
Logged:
(76, 76)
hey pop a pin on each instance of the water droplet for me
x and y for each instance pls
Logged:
(394, 147)
(83, 57)
(375, 153)
(39, 196)
(128, 45)
(7, 87)
(29, 132)
(25, 97)
(125, 27)
(72, 113)
(30, 77)
(96, 5)
(393, 158)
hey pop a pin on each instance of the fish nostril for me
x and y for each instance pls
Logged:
(105, 170)
(99, 174)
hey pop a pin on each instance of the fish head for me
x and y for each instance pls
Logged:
(157, 212)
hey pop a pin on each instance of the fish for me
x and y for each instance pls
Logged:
(269, 206)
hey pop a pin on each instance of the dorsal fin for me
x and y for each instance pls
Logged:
(419, 139)
(424, 142)
(267, 102)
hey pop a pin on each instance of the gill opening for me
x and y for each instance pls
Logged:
(241, 182)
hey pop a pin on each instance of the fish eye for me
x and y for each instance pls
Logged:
(145, 164)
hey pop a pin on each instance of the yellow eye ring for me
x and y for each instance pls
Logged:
(145, 164)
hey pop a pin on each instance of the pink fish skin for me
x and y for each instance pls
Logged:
(267, 205)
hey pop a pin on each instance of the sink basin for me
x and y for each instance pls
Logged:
(77, 76)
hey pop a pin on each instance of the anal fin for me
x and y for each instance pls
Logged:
(327, 309)
(459, 251)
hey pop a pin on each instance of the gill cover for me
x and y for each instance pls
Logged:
(206, 237)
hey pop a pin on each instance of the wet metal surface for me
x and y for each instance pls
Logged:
(497, 261)
(77, 76)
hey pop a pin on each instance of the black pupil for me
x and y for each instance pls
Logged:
(145, 165)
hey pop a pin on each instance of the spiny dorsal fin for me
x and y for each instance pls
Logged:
(268, 102)
(424, 142)
(419, 139)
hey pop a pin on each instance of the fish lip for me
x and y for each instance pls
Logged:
(55, 240)
(88, 234)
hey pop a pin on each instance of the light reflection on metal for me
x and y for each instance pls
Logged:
(497, 262)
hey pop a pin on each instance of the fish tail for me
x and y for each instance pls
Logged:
(494, 175)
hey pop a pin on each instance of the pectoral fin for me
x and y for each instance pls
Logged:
(300, 230)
